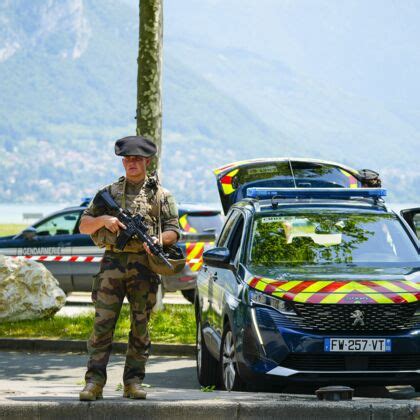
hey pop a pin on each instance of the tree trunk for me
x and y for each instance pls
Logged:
(149, 77)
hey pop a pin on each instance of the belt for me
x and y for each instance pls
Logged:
(127, 249)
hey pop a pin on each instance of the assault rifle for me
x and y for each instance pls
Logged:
(134, 227)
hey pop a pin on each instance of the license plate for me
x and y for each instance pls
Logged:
(379, 345)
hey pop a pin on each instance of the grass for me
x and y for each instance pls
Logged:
(176, 324)
(11, 229)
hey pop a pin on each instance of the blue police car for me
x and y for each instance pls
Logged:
(313, 279)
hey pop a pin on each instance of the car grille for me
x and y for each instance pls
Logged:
(330, 362)
(379, 317)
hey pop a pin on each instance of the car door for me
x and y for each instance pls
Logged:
(53, 238)
(88, 263)
(412, 217)
(206, 287)
(56, 234)
(224, 280)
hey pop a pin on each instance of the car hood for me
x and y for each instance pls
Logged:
(364, 285)
(6, 238)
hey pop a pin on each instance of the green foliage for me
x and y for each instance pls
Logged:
(310, 238)
(176, 324)
(209, 388)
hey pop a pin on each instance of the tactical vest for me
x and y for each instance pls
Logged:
(144, 203)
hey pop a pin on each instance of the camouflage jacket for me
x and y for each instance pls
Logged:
(138, 199)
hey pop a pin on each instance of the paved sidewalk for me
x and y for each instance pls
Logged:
(46, 385)
(42, 376)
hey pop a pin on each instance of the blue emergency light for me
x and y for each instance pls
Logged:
(322, 193)
(85, 201)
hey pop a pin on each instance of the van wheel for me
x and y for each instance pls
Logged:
(207, 366)
(229, 375)
(189, 294)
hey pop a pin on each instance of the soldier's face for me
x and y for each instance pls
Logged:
(135, 167)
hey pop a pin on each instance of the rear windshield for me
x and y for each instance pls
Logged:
(305, 175)
(205, 222)
(330, 238)
(309, 174)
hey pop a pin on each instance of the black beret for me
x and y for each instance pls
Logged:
(135, 146)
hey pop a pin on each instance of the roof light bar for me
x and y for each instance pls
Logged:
(323, 193)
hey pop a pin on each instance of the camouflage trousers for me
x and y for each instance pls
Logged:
(121, 274)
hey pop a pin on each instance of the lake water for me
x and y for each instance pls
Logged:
(14, 213)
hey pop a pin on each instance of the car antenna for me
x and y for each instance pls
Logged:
(293, 174)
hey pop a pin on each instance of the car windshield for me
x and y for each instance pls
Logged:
(63, 224)
(329, 238)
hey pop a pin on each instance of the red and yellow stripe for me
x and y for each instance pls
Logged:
(233, 165)
(351, 178)
(344, 292)
(194, 250)
(226, 182)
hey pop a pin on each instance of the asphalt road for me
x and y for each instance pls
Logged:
(51, 376)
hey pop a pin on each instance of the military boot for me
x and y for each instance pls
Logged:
(91, 392)
(134, 391)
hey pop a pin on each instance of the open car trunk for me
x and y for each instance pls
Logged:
(234, 179)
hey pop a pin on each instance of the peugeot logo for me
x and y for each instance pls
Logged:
(358, 318)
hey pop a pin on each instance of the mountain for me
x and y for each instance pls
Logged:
(67, 95)
(240, 81)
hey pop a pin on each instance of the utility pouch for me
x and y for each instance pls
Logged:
(174, 253)
(103, 237)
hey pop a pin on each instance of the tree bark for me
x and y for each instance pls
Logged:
(149, 77)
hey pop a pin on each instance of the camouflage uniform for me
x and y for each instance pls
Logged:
(126, 274)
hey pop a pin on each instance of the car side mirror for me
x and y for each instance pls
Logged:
(218, 257)
(29, 233)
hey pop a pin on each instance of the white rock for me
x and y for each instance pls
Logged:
(27, 290)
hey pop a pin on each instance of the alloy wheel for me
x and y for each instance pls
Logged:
(229, 372)
(198, 347)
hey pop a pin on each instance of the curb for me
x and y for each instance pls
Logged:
(208, 410)
(79, 346)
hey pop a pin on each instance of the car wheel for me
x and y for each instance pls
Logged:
(189, 295)
(229, 375)
(207, 366)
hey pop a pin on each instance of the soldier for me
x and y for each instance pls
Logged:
(126, 273)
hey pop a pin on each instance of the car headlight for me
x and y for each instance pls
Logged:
(267, 300)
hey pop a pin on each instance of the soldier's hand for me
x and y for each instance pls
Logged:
(155, 241)
(113, 224)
